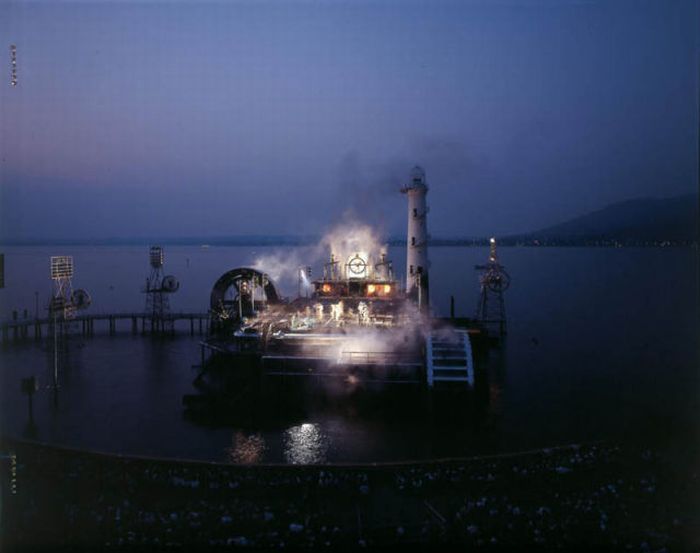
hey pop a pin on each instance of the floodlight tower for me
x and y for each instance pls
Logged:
(65, 301)
(417, 264)
(494, 279)
(61, 274)
(158, 288)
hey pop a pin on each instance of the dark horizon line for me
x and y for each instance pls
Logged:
(233, 240)
(300, 240)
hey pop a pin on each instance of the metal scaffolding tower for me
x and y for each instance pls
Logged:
(494, 280)
(158, 289)
(64, 302)
(61, 274)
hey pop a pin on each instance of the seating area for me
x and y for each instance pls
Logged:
(589, 495)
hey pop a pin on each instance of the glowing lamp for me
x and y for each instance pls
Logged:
(326, 288)
(371, 288)
(387, 288)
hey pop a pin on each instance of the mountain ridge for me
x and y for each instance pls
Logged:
(643, 219)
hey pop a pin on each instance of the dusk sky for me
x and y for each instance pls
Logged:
(214, 119)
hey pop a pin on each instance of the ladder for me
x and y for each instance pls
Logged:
(449, 358)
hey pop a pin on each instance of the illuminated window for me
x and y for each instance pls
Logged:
(371, 288)
(387, 288)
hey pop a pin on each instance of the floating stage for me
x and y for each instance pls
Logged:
(357, 324)
(351, 332)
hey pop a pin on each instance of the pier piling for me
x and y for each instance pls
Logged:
(16, 329)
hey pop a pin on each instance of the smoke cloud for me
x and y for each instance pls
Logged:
(349, 238)
(343, 240)
(282, 266)
(369, 190)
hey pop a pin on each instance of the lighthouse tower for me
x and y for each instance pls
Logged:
(417, 285)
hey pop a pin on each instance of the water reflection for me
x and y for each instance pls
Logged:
(246, 449)
(305, 444)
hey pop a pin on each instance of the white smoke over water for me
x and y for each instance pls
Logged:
(371, 341)
(347, 239)
(368, 189)
(384, 346)
(282, 266)
(344, 240)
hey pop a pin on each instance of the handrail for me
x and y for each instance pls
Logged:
(105, 316)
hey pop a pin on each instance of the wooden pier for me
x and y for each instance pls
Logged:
(24, 328)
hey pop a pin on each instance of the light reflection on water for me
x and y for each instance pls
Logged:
(305, 444)
(246, 449)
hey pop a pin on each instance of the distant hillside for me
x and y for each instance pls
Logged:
(647, 219)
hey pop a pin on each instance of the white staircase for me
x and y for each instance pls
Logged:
(449, 358)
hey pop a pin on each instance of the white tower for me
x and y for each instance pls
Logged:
(417, 264)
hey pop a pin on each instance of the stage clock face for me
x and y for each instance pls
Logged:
(357, 266)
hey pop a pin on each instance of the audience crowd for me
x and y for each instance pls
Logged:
(585, 496)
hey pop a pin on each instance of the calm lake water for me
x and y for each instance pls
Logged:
(602, 344)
